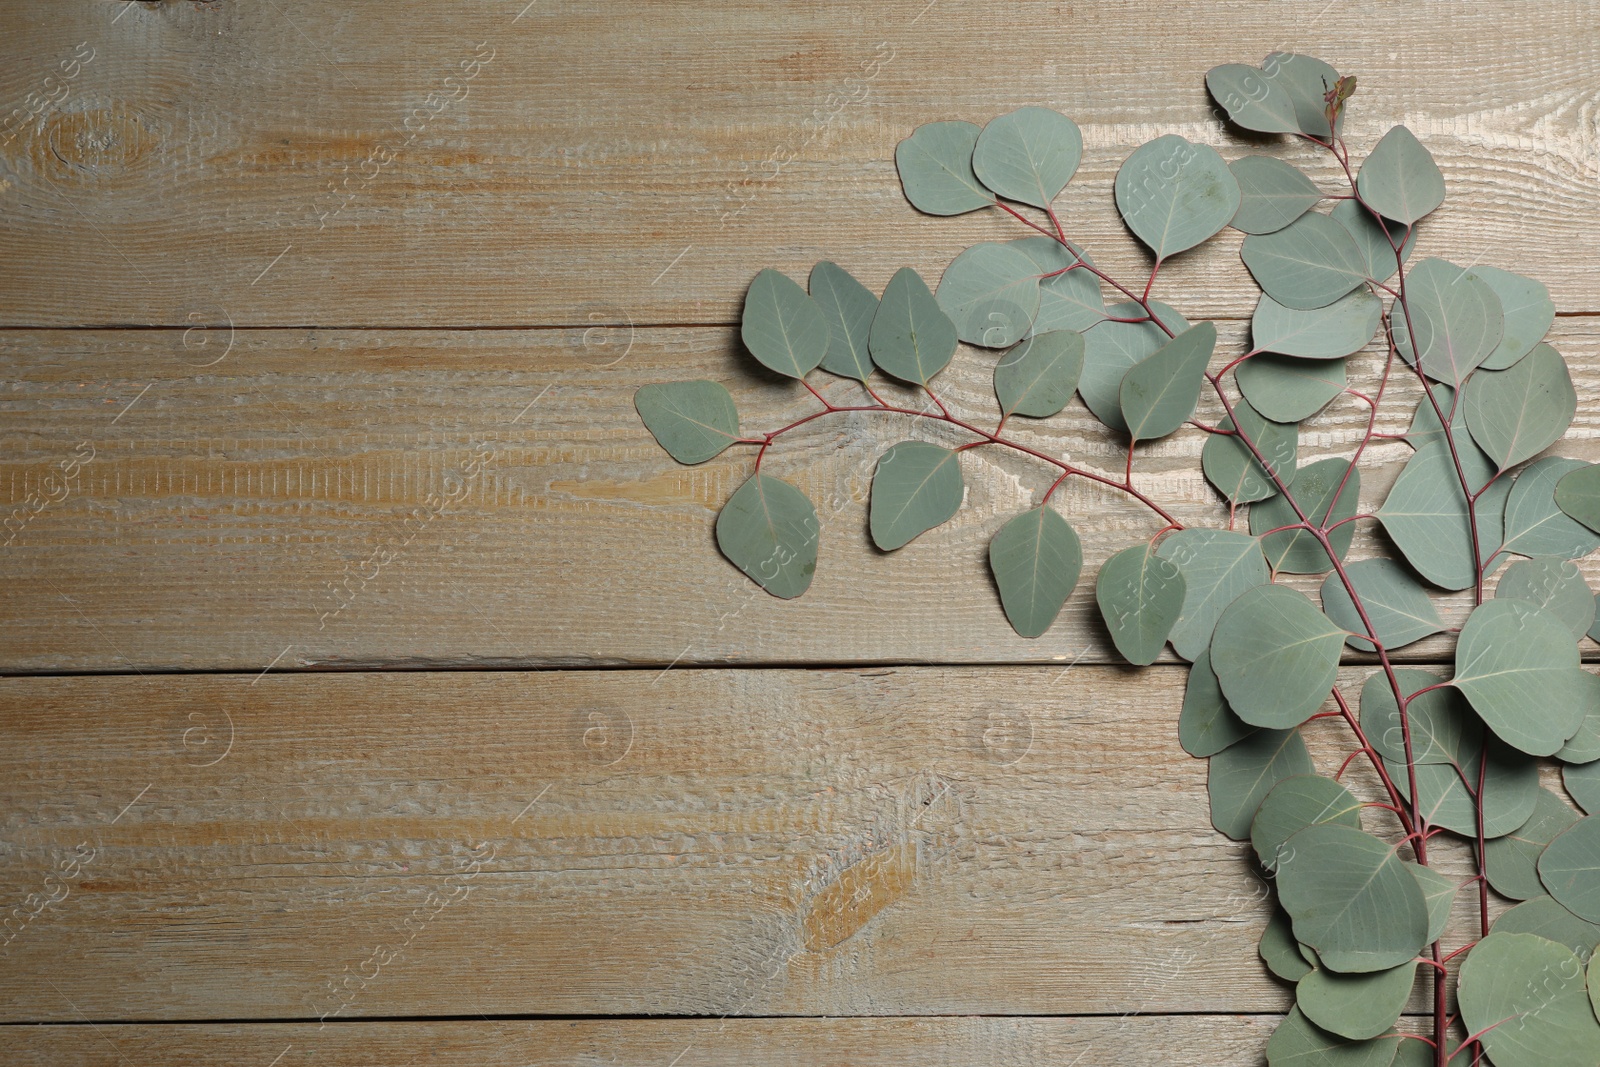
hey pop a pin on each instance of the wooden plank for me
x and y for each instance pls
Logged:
(1136, 1041)
(876, 842)
(489, 498)
(291, 163)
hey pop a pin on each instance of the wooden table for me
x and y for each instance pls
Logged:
(374, 690)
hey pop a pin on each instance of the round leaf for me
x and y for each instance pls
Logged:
(1159, 393)
(1028, 155)
(1426, 515)
(911, 337)
(1241, 776)
(1517, 413)
(1287, 389)
(1556, 585)
(916, 487)
(1512, 861)
(1279, 951)
(1038, 376)
(1518, 668)
(1397, 606)
(1535, 524)
(1217, 566)
(1443, 729)
(1544, 917)
(1529, 314)
(1528, 997)
(1068, 299)
(1036, 559)
(1583, 785)
(1570, 869)
(1294, 804)
(1272, 194)
(1251, 100)
(1276, 656)
(1140, 595)
(1308, 264)
(849, 307)
(1307, 80)
(1343, 327)
(1439, 890)
(1455, 317)
(1352, 899)
(1511, 787)
(768, 529)
(1584, 746)
(1356, 1006)
(693, 421)
(1327, 493)
(1207, 725)
(1578, 494)
(1399, 179)
(935, 165)
(991, 293)
(1230, 466)
(1299, 1043)
(1173, 194)
(1112, 348)
(782, 326)
(1376, 238)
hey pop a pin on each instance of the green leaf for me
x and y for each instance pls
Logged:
(1038, 376)
(1529, 314)
(1280, 952)
(1425, 423)
(1331, 332)
(1028, 155)
(916, 487)
(1308, 264)
(1242, 775)
(1159, 393)
(1584, 746)
(1352, 899)
(1272, 194)
(1230, 466)
(1276, 656)
(1250, 100)
(849, 308)
(1570, 869)
(1036, 559)
(1376, 238)
(1583, 785)
(782, 326)
(1518, 667)
(1396, 604)
(991, 293)
(1515, 414)
(1512, 861)
(935, 165)
(1112, 348)
(1287, 389)
(1426, 514)
(1173, 194)
(1067, 301)
(1299, 1043)
(693, 421)
(768, 529)
(1140, 595)
(1455, 317)
(1306, 79)
(1294, 804)
(1207, 725)
(1578, 494)
(1325, 495)
(1217, 566)
(1439, 891)
(1544, 917)
(1528, 998)
(1442, 726)
(1535, 524)
(1356, 1006)
(911, 337)
(1511, 785)
(1554, 584)
(1399, 179)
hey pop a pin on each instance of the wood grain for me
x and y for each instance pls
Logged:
(289, 163)
(490, 498)
(873, 842)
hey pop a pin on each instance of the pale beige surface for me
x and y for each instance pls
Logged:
(385, 421)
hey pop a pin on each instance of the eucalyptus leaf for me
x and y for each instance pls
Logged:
(693, 421)
(1174, 194)
(1397, 606)
(1518, 667)
(1327, 493)
(911, 337)
(1331, 332)
(1276, 656)
(1028, 155)
(1356, 1006)
(1306, 265)
(1159, 393)
(1112, 348)
(1439, 890)
(1517, 413)
(1399, 179)
(1377, 239)
(1352, 899)
(1443, 728)
(1217, 566)
(1069, 299)
(1279, 951)
(1528, 999)
(1512, 861)
(1455, 317)
(991, 293)
(1426, 515)
(1241, 776)
(1445, 790)
(849, 308)
(1036, 559)
(1140, 595)
(1570, 869)
(1554, 584)
(1288, 389)
(782, 326)
(1251, 100)
(1535, 524)
(1529, 313)
(1272, 194)
(1300, 1043)
(1582, 782)
(1425, 422)
(916, 487)
(1584, 746)
(1548, 919)
(1038, 376)
(768, 529)
(1307, 80)
(1294, 804)
(935, 165)
(1230, 465)
(1207, 725)
(1578, 494)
